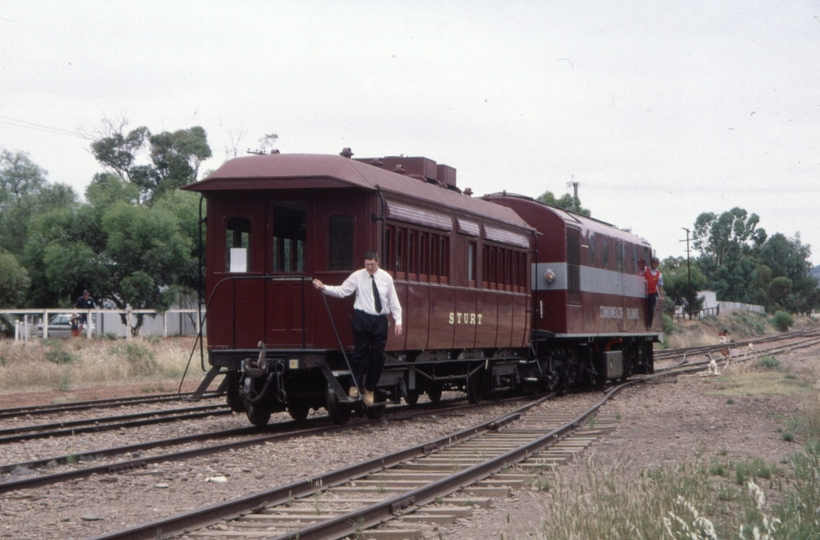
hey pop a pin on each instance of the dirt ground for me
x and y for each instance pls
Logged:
(741, 414)
(671, 421)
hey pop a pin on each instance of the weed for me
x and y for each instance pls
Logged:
(56, 354)
(317, 502)
(64, 383)
(769, 362)
(718, 469)
(71, 459)
(618, 416)
(782, 321)
(723, 452)
(591, 422)
(139, 357)
(788, 437)
(111, 336)
(730, 401)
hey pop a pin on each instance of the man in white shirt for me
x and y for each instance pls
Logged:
(375, 298)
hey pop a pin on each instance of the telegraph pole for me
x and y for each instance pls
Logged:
(689, 271)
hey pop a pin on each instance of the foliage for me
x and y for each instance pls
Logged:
(175, 157)
(14, 280)
(677, 276)
(133, 243)
(782, 321)
(567, 202)
(770, 362)
(742, 264)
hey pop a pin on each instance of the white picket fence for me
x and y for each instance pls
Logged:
(174, 322)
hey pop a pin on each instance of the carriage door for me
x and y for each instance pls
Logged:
(284, 305)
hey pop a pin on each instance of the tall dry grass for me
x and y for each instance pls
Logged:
(74, 363)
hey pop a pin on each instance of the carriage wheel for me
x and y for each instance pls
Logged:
(339, 413)
(298, 410)
(258, 413)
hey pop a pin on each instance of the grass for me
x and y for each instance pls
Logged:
(719, 498)
(690, 501)
(67, 364)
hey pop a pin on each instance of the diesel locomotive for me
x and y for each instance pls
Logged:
(500, 293)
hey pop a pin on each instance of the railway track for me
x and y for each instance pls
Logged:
(39, 410)
(482, 461)
(432, 482)
(251, 436)
(688, 352)
(108, 423)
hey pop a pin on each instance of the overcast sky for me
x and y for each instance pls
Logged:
(659, 110)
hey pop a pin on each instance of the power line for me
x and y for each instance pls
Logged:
(38, 127)
(702, 189)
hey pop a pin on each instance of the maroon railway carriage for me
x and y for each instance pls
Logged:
(461, 266)
(590, 302)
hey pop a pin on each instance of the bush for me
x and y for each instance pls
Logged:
(56, 354)
(770, 362)
(782, 321)
(139, 357)
(668, 325)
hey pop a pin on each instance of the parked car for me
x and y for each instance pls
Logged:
(59, 326)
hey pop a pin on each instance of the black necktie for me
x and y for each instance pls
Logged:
(376, 299)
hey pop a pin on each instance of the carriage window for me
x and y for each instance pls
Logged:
(411, 252)
(471, 254)
(573, 264)
(237, 243)
(340, 243)
(289, 234)
(444, 259)
(592, 250)
(399, 250)
(424, 266)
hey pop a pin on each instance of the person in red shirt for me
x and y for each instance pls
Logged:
(654, 289)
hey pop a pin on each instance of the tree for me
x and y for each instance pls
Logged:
(789, 259)
(19, 177)
(14, 281)
(567, 202)
(175, 157)
(727, 236)
(676, 279)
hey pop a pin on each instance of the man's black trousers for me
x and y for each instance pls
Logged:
(652, 301)
(369, 339)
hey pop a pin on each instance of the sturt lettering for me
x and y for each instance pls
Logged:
(465, 318)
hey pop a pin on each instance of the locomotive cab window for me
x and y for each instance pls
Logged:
(289, 234)
(591, 249)
(340, 243)
(573, 265)
(237, 243)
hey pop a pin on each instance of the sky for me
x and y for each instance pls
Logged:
(659, 110)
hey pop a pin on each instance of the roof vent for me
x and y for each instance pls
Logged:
(377, 162)
(274, 151)
(399, 169)
(346, 152)
(468, 192)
